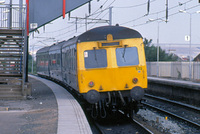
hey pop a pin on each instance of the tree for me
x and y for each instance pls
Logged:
(30, 64)
(151, 52)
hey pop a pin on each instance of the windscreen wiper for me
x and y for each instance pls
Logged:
(95, 55)
(124, 52)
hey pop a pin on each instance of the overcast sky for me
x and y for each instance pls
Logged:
(132, 14)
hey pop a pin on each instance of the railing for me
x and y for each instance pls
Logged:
(178, 70)
(12, 17)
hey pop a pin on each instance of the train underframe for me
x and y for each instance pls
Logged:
(109, 103)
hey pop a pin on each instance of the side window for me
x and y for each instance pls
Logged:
(67, 58)
(58, 59)
(72, 58)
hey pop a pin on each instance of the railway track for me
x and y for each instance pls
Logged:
(118, 124)
(121, 124)
(184, 112)
(142, 126)
(197, 109)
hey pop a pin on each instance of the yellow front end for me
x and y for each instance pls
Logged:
(112, 77)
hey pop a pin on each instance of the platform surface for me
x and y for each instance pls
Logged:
(46, 112)
(71, 118)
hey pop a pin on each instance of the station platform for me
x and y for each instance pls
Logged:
(180, 83)
(179, 90)
(51, 110)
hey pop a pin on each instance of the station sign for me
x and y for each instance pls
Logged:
(187, 38)
(33, 25)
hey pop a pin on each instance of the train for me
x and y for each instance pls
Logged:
(105, 65)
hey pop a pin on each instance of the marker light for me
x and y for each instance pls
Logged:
(135, 80)
(91, 84)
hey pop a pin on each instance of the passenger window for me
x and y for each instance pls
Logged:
(95, 58)
(127, 56)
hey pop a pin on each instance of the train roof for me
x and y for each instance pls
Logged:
(57, 46)
(100, 33)
(71, 41)
(43, 50)
(96, 34)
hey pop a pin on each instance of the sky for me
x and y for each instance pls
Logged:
(132, 14)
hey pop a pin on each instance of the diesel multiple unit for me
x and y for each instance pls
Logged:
(106, 65)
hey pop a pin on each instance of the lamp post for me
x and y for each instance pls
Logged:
(20, 12)
(32, 57)
(158, 34)
(190, 41)
(158, 29)
(10, 16)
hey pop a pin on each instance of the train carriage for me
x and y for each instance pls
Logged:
(55, 61)
(69, 64)
(42, 63)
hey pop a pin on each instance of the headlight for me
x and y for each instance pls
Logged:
(135, 80)
(91, 84)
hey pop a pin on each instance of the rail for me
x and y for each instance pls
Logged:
(12, 16)
(197, 109)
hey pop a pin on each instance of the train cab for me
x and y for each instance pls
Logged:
(111, 59)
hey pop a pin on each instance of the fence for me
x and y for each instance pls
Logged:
(12, 17)
(178, 70)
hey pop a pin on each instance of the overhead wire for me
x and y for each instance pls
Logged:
(95, 12)
(78, 28)
(164, 17)
(91, 15)
(102, 12)
(171, 8)
(81, 20)
(135, 5)
(98, 20)
(154, 13)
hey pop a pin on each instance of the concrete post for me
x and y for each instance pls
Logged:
(110, 16)
(20, 13)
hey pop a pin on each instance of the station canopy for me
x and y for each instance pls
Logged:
(42, 12)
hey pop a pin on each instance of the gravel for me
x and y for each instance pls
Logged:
(165, 124)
